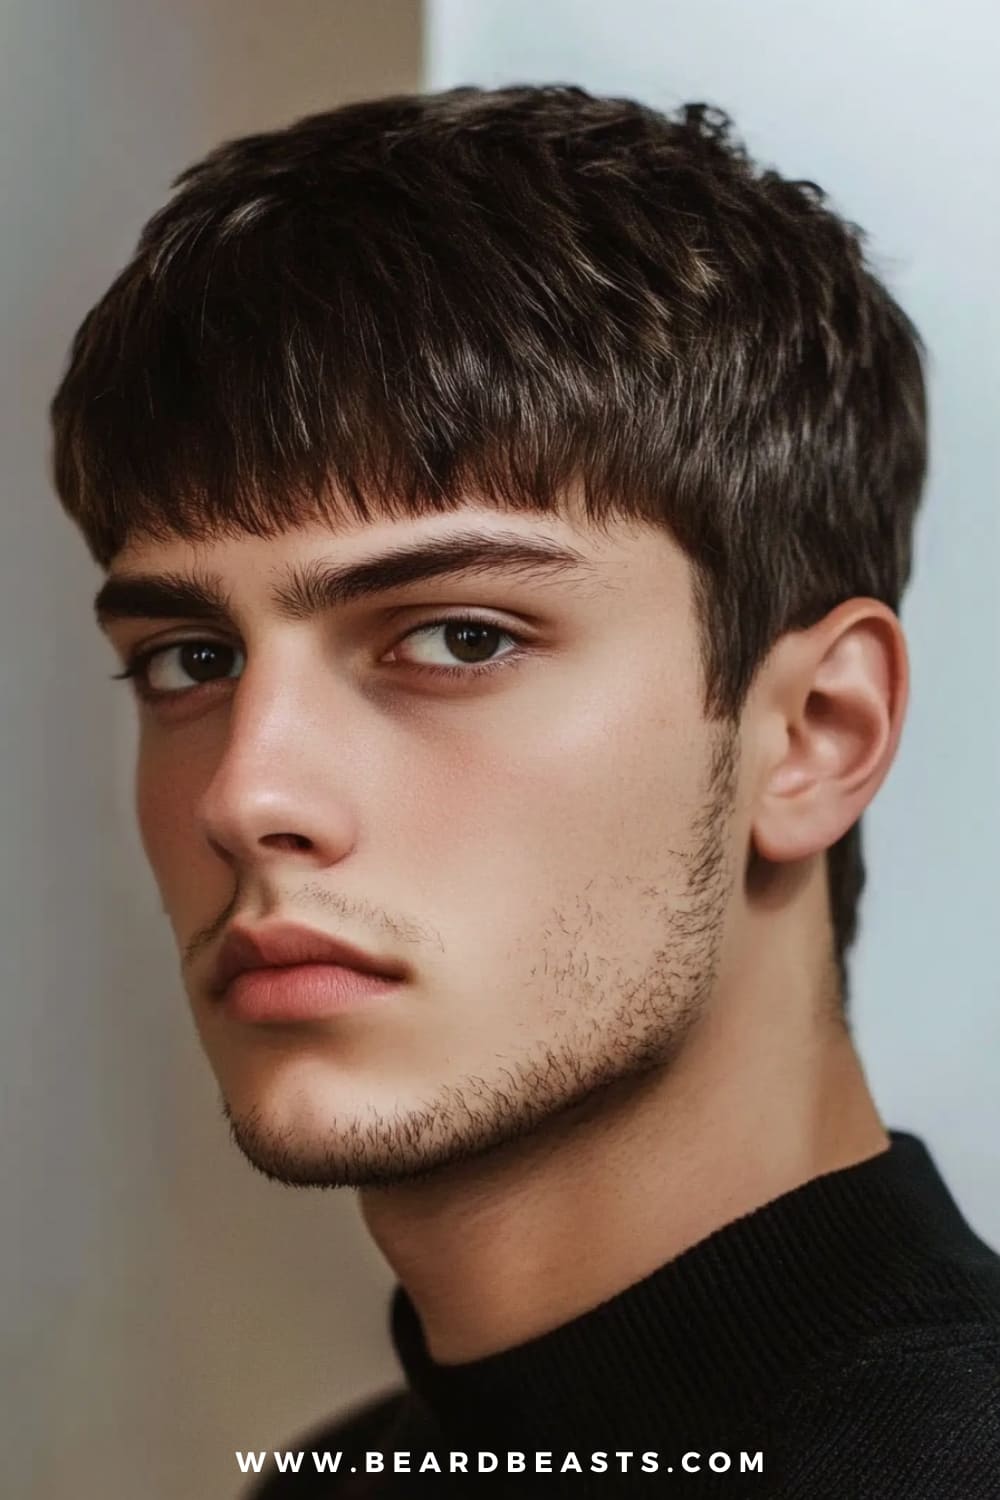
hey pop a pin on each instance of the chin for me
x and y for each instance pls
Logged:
(306, 1097)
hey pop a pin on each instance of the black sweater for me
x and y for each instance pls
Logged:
(845, 1336)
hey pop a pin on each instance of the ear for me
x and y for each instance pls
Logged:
(829, 717)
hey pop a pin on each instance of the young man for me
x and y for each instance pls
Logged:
(506, 499)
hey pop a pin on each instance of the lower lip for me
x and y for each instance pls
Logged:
(302, 992)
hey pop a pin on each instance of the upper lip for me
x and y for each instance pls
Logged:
(281, 943)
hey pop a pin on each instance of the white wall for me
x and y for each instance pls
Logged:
(891, 107)
(160, 1304)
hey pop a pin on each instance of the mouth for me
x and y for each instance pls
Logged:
(302, 992)
(283, 946)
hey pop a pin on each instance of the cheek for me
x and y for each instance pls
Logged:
(164, 798)
(593, 770)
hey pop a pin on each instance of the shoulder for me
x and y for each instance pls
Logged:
(913, 1413)
(318, 1462)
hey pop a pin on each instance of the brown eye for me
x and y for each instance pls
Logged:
(181, 666)
(466, 641)
(197, 661)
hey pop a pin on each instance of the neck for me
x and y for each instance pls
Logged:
(763, 1098)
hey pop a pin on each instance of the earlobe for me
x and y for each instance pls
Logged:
(840, 691)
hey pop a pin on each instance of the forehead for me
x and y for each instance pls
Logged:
(337, 523)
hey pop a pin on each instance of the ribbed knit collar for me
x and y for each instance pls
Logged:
(704, 1339)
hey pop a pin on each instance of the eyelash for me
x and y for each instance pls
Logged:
(137, 663)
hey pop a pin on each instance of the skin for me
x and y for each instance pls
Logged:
(619, 1030)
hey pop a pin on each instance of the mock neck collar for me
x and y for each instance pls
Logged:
(708, 1335)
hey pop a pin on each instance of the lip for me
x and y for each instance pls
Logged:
(283, 945)
(302, 992)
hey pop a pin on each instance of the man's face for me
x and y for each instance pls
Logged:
(544, 847)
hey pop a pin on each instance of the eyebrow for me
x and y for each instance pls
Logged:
(316, 586)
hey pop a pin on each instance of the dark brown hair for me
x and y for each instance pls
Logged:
(405, 302)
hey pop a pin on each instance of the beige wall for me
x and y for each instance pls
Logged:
(160, 1304)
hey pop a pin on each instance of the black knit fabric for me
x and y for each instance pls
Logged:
(847, 1332)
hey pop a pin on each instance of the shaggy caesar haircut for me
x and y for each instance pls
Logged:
(400, 303)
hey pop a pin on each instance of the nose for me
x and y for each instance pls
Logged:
(280, 789)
